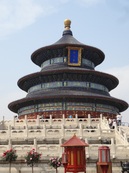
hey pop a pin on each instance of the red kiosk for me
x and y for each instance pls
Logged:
(74, 157)
(104, 164)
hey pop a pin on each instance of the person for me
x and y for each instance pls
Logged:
(70, 116)
(110, 122)
(114, 123)
(118, 118)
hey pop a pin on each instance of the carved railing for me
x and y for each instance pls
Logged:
(59, 129)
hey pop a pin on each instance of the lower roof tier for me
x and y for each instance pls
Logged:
(70, 96)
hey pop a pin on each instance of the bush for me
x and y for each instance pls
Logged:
(32, 157)
(9, 155)
(55, 162)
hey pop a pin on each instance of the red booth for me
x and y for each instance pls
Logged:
(104, 164)
(74, 157)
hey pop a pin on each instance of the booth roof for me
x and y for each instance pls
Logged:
(74, 141)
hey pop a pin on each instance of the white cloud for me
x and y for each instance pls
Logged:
(18, 14)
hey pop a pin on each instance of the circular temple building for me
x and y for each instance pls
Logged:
(68, 84)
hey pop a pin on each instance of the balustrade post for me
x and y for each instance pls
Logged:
(26, 130)
(3, 120)
(38, 121)
(89, 120)
(10, 144)
(62, 130)
(26, 122)
(80, 130)
(99, 130)
(3, 123)
(101, 117)
(76, 119)
(9, 131)
(50, 120)
(113, 148)
(87, 148)
(44, 131)
(35, 144)
(60, 148)
(63, 119)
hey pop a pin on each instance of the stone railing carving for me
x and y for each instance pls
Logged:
(58, 129)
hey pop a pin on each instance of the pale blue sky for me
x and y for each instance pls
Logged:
(26, 25)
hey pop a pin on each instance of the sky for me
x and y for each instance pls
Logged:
(26, 25)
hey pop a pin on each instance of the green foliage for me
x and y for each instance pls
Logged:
(32, 157)
(9, 155)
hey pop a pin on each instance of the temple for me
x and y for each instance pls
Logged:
(68, 83)
(66, 97)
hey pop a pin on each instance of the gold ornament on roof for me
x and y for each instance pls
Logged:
(67, 24)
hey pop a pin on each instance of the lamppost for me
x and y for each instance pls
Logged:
(104, 164)
(65, 160)
(74, 157)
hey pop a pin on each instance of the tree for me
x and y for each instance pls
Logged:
(32, 157)
(9, 156)
(55, 162)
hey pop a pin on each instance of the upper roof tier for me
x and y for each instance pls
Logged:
(44, 53)
(67, 36)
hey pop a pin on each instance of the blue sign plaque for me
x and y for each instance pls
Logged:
(74, 56)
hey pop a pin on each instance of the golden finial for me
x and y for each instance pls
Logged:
(67, 24)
